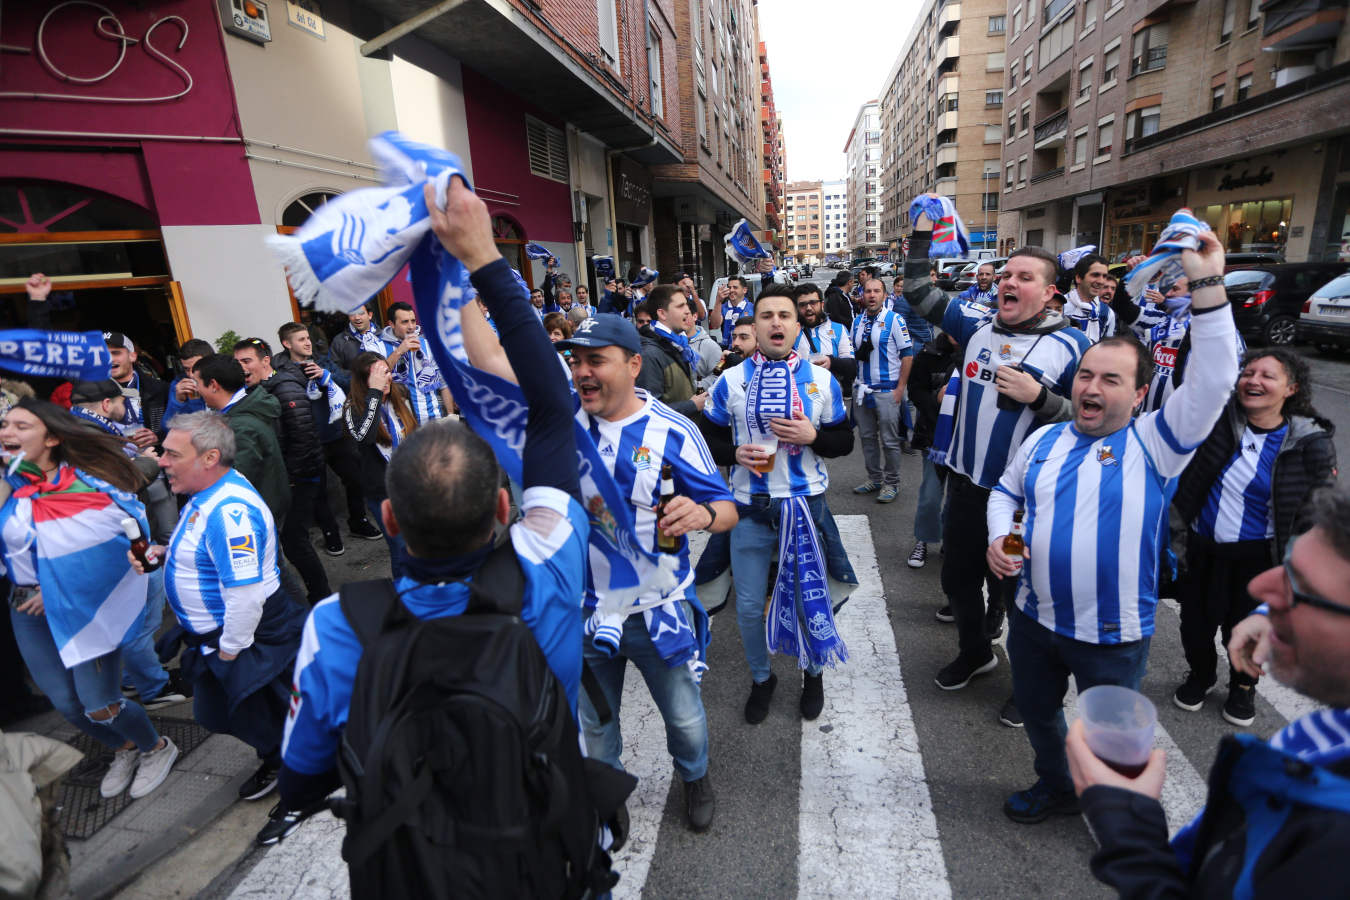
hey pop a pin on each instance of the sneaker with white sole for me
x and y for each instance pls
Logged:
(260, 783)
(153, 769)
(867, 487)
(919, 555)
(888, 494)
(945, 614)
(168, 698)
(958, 673)
(120, 773)
(281, 822)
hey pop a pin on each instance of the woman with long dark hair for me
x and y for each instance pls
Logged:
(1244, 496)
(75, 598)
(379, 416)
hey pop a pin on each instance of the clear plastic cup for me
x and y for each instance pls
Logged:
(769, 445)
(1118, 724)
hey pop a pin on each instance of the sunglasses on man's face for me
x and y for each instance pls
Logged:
(1298, 595)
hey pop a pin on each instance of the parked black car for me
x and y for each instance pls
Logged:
(1267, 300)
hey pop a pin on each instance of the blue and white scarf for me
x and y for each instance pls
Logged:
(680, 341)
(356, 243)
(368, 339)
(946, 421)
(76, 355)
(645, 276)
(1164, 263)
(103, 423)
(1069, 258)
(950, 237)
(742, 245)
(537, 251)
(800, 621)
(325, 386)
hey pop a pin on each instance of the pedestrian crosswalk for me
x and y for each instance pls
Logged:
(866, 820)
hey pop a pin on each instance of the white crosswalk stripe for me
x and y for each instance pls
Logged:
(866, 823)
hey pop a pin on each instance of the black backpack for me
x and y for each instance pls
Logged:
(461, 759)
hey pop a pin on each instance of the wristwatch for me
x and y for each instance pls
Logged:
(712, 512)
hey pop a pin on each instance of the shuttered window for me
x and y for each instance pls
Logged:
(548, 150)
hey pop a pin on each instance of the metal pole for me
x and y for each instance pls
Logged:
(381, 41)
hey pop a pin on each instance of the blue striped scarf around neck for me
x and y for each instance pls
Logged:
(680, 341)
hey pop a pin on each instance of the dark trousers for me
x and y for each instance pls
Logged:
(295, 542)
(1214, 597)
(1042, 662)
(259, 720)
(341, 458)
(965, 574)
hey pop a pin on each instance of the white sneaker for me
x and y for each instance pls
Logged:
(154, 768)
(120, 773)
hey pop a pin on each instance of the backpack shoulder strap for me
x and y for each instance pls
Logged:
(366, 605)
(499, 584)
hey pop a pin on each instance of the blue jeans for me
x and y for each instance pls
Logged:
(139, 661)
(1041, 663)
(91, 686)
(928, 513)
(677, 695)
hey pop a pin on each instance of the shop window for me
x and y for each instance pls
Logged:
(40, 206)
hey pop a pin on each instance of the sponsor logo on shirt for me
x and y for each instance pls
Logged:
(241, 542)
(1166, 357)
(983, 356)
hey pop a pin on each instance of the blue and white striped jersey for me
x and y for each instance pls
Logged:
(1090, 316)
(890, 344)
(225, 539)
(633, 450)
(1096, 507)
(1238, 507)
(1163, 340)
(797, 471)
(973, 294)
(984, 436)
(729, 316)
(550, 541)
(827, 338)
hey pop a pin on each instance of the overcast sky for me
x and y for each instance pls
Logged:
(819, 77)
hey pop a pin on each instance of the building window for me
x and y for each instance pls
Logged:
(989, 202)
(1080, 147)
(1110, 65)
(1229, 16)
(1026, 119)
(1106, 135)
(1254, 13)
(1028, 61)
(993, 98)
(1012, 124)
(1085, 82)
(1012, 76)
(1089, 15)
(1008, 176)
(1022, 170)
(993, 62)
(655, 98)
(607, 30)
(1149, 49)
(547, 149)
(1244, 87)
(993, 134)
(1017, 21)
(1143, 122)
(998, 24)
(1216, 98)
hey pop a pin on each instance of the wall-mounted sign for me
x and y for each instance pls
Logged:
(305, 15)
(1247, 178)
(632, 192)
(247, 19)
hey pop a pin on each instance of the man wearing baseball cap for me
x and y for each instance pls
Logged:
(637, 435)
(146, 395)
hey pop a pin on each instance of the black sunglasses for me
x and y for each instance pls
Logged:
(1299, 595)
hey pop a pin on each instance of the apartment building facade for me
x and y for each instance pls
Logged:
(862, 154)
(774, 174)
(942, 114)
(834, 217)
(804, 228)
(1117, 112)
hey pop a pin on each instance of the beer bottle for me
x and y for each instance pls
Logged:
(139, 545)
(734, 358)
(1013, 545)
(664, 542)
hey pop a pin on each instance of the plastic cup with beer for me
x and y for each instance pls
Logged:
(1118, 724)
(769, 444)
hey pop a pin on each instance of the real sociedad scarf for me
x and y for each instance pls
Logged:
(950, 237)
(355, 244)
(946, 421)
(1069, 258)
(799, 621)
(742, 245)
(680, 341)
(537, 251)
(325, 386)
(103, 423)
(1164, 263)
(92, 596)
(368, 339)
(78, 356)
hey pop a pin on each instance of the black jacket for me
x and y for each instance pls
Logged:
(342, 352)
(1305, 462)
(838, 307)
(299, 436)
(665, 374)
(154, 400)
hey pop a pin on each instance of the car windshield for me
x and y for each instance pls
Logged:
(1336, 289)
(1245, 280)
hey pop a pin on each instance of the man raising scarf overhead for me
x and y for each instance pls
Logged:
(775, 417)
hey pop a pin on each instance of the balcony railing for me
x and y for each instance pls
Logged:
(1055, 124)
(1046, 176)
(1154, 58)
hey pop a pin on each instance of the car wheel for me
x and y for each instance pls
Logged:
(1280, 331)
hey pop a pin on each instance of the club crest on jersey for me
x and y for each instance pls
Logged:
(1005, 352)
(642, 458)
(1106, 457)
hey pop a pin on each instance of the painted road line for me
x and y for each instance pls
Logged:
(866, 825)
(307, 865)
(1288, 702)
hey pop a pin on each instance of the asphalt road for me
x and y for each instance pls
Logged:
(896, 791)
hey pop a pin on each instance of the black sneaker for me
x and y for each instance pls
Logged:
(1008, 714)
(281, 822)
(260, 783)
(699, 803)
(958, 673)
(365, 529)
(1039, 803)
(1190, 695)
(1240, 707)
(332, 544)
(813, 696)
(757, 707)
(919, 555)
(994, 618)
(945, 614)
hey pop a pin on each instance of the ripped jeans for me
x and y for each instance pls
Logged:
(88, 687)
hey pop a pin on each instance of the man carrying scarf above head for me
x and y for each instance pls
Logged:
(774, 418)
(147, 396)
(729, 305)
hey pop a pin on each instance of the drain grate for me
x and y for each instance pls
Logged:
(83, 810)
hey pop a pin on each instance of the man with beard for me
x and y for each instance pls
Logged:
(822, 340)
(885, 354)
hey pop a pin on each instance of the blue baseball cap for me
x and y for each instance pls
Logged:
(604, 330)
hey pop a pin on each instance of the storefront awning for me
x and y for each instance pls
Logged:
(498, 41)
